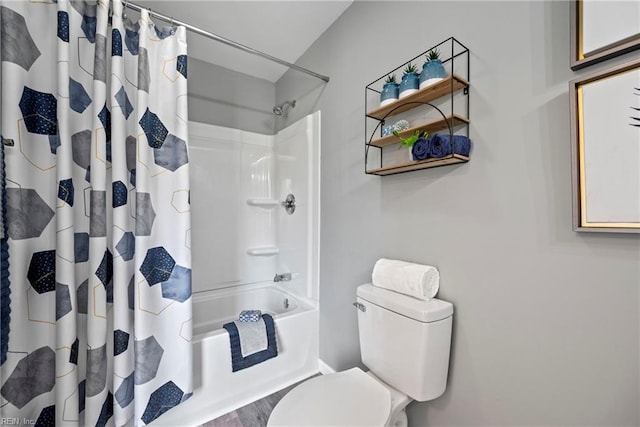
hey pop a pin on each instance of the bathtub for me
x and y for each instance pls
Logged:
(218, 390)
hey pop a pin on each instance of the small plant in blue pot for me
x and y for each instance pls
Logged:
(432, 70)
(390, 90)
(410, 81)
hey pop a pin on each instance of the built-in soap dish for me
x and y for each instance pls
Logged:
(263, 251)
(263, 203)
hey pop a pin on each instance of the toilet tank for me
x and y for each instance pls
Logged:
(405, 341)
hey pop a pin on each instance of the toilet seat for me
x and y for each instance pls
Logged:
(348, 398)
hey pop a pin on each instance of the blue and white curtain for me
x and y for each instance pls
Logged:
(97, 215)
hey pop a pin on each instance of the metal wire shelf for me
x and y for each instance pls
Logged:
(456, 82)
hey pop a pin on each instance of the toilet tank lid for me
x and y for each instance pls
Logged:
(427, 311)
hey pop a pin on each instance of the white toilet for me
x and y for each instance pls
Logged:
(405, 344)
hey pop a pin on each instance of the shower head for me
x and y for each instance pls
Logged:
(279, 110)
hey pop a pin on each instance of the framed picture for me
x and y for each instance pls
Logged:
(605, 138)
(601, 30)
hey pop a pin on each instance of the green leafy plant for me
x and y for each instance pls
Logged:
(408, 142)
(433, 54)
(411, 69)
(391, 78)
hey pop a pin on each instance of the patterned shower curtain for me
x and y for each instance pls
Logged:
(98, 215)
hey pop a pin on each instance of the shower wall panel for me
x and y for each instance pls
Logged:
(229, 167)
(297, 168)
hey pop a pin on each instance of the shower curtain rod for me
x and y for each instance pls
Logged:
(226, 41)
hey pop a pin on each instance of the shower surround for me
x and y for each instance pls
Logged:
(244, 237)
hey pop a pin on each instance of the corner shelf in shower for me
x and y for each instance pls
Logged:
(263, 251)
(263, 203)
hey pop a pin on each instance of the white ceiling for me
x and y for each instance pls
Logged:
(284, 29)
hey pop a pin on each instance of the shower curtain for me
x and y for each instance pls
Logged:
(97, 215)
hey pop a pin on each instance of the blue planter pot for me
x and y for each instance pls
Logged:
(409, 84)
(389, 94)
(432, 71)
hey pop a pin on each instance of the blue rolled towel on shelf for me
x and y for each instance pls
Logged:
(250, 315)
(420, 149)
(251, 342)
(440, 145)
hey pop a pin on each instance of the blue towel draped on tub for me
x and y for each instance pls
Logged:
(251, 342)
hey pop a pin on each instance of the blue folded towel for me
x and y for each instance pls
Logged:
(250, 315)
(440, 145)
(247, 341)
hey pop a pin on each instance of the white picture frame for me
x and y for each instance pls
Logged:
(605, 138)
(603, 29)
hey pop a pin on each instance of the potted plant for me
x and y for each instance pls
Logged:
(411, 140)
(432, 70)
(390, 90)
(410, 81)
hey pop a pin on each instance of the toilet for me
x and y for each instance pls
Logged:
(404, 343)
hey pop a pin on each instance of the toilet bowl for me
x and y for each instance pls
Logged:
(348, 398)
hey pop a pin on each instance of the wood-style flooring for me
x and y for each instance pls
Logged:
(254, 414)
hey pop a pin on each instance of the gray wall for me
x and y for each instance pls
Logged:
(223, 97)
(546, 327)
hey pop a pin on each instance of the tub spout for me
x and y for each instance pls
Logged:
(282, 277)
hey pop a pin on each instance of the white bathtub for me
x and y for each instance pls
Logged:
(218, 390)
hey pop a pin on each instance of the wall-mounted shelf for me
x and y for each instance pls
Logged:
(430, 93)
(263, 251)
(431, 127)
(263, 203)
(451, 121)
(422, 164)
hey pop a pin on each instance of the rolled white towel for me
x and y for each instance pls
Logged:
(416, 280)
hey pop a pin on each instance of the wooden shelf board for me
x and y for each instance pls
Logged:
(422, 164)
(431, 127)
(429, 93)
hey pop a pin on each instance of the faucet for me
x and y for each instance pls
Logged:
(285, 277)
